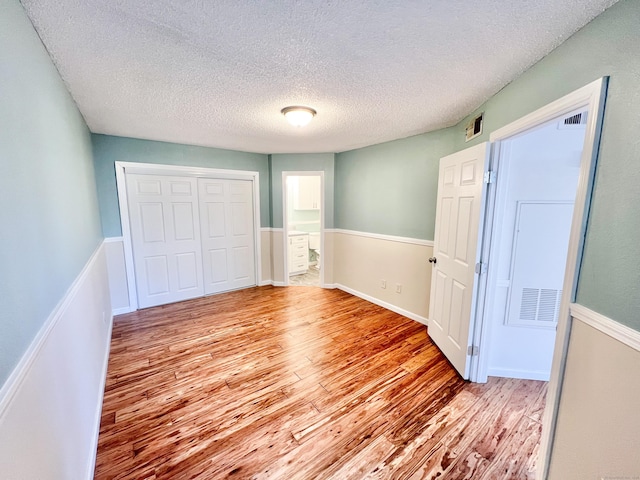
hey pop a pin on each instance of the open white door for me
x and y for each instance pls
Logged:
(459, 209)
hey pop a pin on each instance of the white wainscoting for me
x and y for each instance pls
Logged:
(51, 404)
(116, 266)
(598, 427)
(363, 260)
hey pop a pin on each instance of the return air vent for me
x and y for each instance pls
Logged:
(576, 120)
(474, 128)
(540, 305)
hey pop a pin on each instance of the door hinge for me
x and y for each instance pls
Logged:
(489, 177)
(473, 350)
(481, 268)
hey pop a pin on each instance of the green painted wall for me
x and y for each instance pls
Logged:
(48, 203)
(391, 188)
(107, 150)
(609, 281)
(302, 162)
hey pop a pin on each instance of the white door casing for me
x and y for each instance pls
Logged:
(226, 220)
(165, 237)
(592, 97)
(459, 211)
(285, 205)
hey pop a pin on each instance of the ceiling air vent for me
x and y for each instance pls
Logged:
(474, 128)
(576, 120)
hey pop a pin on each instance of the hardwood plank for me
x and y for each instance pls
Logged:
(302, 383)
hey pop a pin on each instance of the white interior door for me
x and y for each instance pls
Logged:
(165, 236)
(228, 238)
(459, 209)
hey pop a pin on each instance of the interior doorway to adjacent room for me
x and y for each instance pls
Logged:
(303, 203)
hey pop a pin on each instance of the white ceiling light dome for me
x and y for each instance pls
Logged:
(298, 116)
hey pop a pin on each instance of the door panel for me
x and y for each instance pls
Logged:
(187, 267)
(152, 222)
(157, 275)
(460, 200)
(165, 238)
(227, 234)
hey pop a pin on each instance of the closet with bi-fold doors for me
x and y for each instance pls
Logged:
(190, 235)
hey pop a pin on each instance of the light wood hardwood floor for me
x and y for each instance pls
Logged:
(302, 383)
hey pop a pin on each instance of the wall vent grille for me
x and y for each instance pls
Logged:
(474, 128)
(540, 305)
(576, 120)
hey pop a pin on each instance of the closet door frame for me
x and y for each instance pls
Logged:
(122, 168)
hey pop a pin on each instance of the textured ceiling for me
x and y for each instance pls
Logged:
(217, 73)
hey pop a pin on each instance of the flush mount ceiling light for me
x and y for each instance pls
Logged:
(298, 116)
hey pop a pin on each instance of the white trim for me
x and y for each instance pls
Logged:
(122, 310)
(380, 236)
(616, 330)
(121, 185)
(270, 229)
(187, 171)
(113, 239)
(388, 306)
(19, 373)
(581, 97)
(273, 283)
(522, 374)
(592, 97)
(85, 305)
(116, 301)
(158, 169)
(91, 468)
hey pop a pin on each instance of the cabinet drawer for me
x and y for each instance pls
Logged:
(299, 266)
(299, 257)
(298, 240)
(298, 248)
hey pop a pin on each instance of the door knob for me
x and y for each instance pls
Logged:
(433, 260)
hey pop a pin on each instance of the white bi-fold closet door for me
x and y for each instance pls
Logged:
(227, 232)
(190, 236)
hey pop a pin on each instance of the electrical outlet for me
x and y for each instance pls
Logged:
(383, 284)
(398, 288)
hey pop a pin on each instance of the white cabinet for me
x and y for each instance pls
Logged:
(306, 194)
(298, 254)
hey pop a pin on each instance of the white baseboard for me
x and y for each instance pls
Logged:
(98, 412)
(50, 405)
(272, 283)
(521, 374)
(122, 311)
(388, 306)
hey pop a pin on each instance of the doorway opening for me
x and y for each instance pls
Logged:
(303, 203)
(538, 173)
